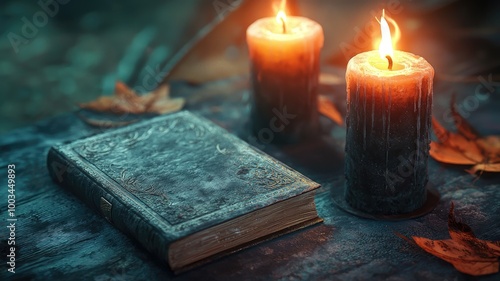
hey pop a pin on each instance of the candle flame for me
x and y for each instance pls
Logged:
(279, 7)
(385, 47)
(281, 16)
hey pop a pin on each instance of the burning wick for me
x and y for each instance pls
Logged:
(390, 62)
(282, 17)
(385, 47)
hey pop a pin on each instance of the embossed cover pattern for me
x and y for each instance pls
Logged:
(172, 176)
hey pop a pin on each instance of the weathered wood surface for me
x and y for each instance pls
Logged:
(59, 238)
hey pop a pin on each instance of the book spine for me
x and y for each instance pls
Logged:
(114, 209)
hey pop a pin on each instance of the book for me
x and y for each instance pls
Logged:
(185, 188)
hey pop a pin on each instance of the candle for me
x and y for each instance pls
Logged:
(389, 103)
(284, 53)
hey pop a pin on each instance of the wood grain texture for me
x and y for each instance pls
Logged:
(59, 238)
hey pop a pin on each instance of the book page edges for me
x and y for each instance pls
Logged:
(248, 245)
(289, 214)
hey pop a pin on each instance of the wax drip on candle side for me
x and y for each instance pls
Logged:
(388, 135)
(364, 114)
(419, 114)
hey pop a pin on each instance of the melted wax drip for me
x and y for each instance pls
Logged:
(389, 104)
(364, 116)
(419, 114)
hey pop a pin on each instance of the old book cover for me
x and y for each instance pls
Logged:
(174, 176)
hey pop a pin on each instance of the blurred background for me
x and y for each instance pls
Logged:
(56, 54)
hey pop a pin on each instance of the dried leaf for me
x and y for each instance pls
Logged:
(469, 149)
(150, 99)
(448, 155)
(105, 123)
(494, 168)
(491, 146)
(126, 101)
(167, 106)
(466, 147)
(467, 253)
(329, 109)
(458, 255)
(124, 92)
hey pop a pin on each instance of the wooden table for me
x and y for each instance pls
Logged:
(59, 238)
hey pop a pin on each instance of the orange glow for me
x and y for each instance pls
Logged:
(281, 16)
(385, 48)
(279, 6)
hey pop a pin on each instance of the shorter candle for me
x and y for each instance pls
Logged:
(389, 104)
(284, 54)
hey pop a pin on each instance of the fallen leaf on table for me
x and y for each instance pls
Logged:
(491, 145)
(167, 106)
(458, 143)
(105, 123)
(485, 168)
(466, 147)
(329, 109)
(464, 250)
(127, 101)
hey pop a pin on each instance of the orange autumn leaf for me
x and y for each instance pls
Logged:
(124, 92)
(486, 167)
(469, 149)
(329, 109)
(125, 100)
(105, 123)
(164, 106)
(448, 155)
(464, 251)
(491, 146)
(466, 147)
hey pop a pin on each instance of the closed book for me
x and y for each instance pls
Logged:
(185, 188)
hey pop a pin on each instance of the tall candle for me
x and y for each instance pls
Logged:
(389, 103)
(284, 53)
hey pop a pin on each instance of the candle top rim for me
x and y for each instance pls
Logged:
(410, 63)
(297, 28)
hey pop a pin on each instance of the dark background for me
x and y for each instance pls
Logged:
(80, 52)
(88, 45)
